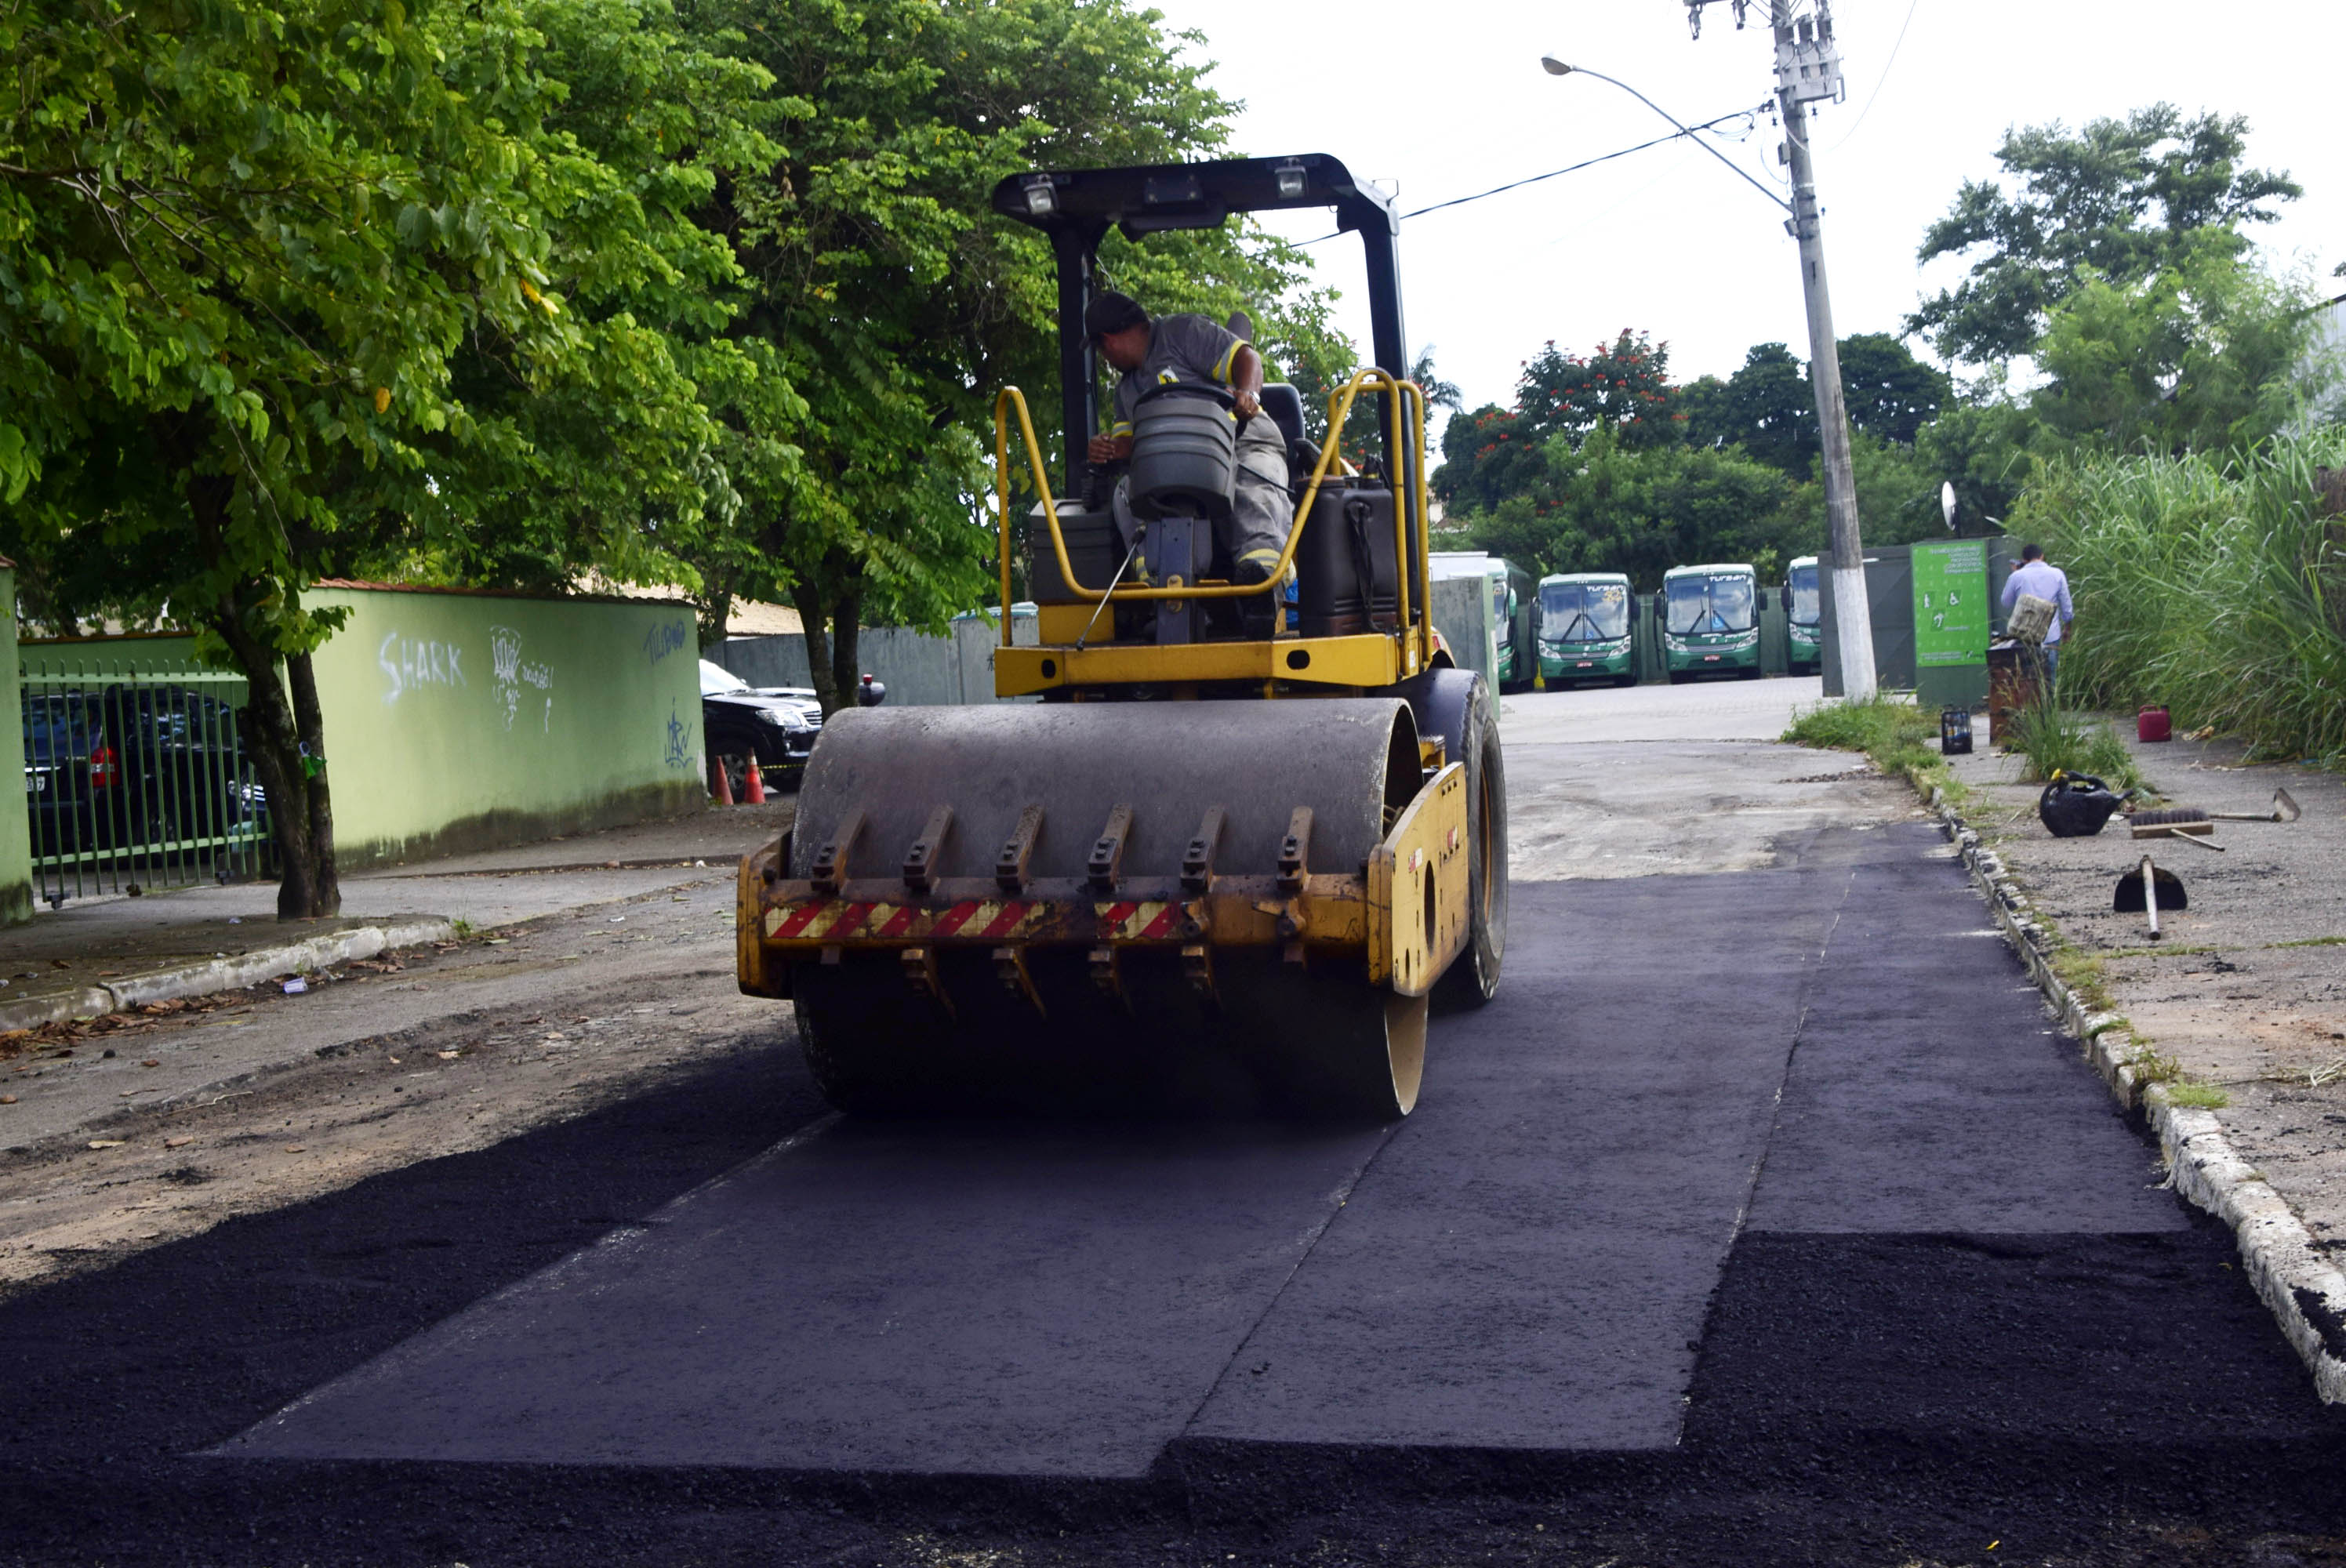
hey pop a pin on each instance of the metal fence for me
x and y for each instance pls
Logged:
(136, 777)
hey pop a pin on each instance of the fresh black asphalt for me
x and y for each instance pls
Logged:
(1525, 1264)
(1760, 1221)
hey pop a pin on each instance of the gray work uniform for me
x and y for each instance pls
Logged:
(1194, 348)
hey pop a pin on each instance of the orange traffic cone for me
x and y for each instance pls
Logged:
(719, 786)
(753, 789)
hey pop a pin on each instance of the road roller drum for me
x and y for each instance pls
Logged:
(1093, 905)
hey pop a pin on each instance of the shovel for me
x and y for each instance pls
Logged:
(2149, 889)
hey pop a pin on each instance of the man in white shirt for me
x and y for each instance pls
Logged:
(2040, 577)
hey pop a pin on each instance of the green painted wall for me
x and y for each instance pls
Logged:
(457, 721)
(16, 831)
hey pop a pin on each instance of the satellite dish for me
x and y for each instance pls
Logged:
(1947, 505)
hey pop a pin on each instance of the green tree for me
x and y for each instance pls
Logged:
(2124, 198)
(1897, 493)
(896, 302)
(2210, 353)
(1984, 448)
(246, 257)
(1608, 506)
(1623, 386)
(1769, 406)
(1890, 393)
(1766, 408)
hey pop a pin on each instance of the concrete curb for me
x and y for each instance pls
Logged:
(221, 973)
(2306, 1293)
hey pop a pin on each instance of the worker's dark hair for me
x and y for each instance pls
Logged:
(2032, 552)
(1110, 312)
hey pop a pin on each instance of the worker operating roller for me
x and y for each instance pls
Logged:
(1192, 349)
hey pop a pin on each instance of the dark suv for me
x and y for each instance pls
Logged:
(776, 724)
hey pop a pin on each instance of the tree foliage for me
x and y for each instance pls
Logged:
(896, 302)
(258, 266)
(2126, 198)
(1609, 506)
(2210, 353)
(500, 293)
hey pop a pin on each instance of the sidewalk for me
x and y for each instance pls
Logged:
(104, 956)
(2237, 1012)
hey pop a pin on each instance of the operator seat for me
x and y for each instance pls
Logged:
(1284, 405)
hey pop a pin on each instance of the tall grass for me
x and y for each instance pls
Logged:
(2207, 583)
(2052, 740)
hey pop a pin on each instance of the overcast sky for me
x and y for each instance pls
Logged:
(1446, 99)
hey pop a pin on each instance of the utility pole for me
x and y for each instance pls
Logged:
(1808, 68)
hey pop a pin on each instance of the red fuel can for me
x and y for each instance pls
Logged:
(2150, 724)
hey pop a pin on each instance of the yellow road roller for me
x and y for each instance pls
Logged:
(1202, 869)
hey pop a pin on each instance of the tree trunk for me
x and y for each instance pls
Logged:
(325, 882)
(283, 734)
(274, 728)
(714, 612)
(846, 615)
(814, 616)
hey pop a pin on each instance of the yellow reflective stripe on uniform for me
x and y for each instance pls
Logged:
(1121, 427)
(1230, 356)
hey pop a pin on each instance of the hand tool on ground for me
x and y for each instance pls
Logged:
(2148, 889)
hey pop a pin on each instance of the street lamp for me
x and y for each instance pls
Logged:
(1556, 67)
(1852, 620)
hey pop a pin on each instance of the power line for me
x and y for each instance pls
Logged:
(1911, 6)
(1551, 174)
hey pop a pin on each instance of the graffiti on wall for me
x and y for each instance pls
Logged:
(665, 638)
(511, 673)
(410, 663)
(679, 740)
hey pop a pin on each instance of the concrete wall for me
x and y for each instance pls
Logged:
(460, 720)
(918, 670)
(15, 830)
(122, 655)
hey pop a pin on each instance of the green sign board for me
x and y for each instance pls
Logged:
(1951, 606)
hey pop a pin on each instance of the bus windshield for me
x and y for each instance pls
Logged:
(1698, 605)
(1584, 612)
(1805, 612)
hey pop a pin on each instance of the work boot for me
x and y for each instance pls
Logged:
(1258, 615)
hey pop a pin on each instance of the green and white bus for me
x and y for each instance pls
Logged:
(1804, 640)
(1511, 608)
(1710, 621)
(1585, 622)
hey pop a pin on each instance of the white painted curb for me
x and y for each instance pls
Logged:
(2305, 1293)
(221, 973)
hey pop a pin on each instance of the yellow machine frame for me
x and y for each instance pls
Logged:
(1359, 661)
(1405, 913)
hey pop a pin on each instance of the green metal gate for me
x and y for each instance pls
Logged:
(135, 777)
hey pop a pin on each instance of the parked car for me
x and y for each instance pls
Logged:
(132, 767)
(777, 724)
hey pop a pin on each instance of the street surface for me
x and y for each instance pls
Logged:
(1760, 1219)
